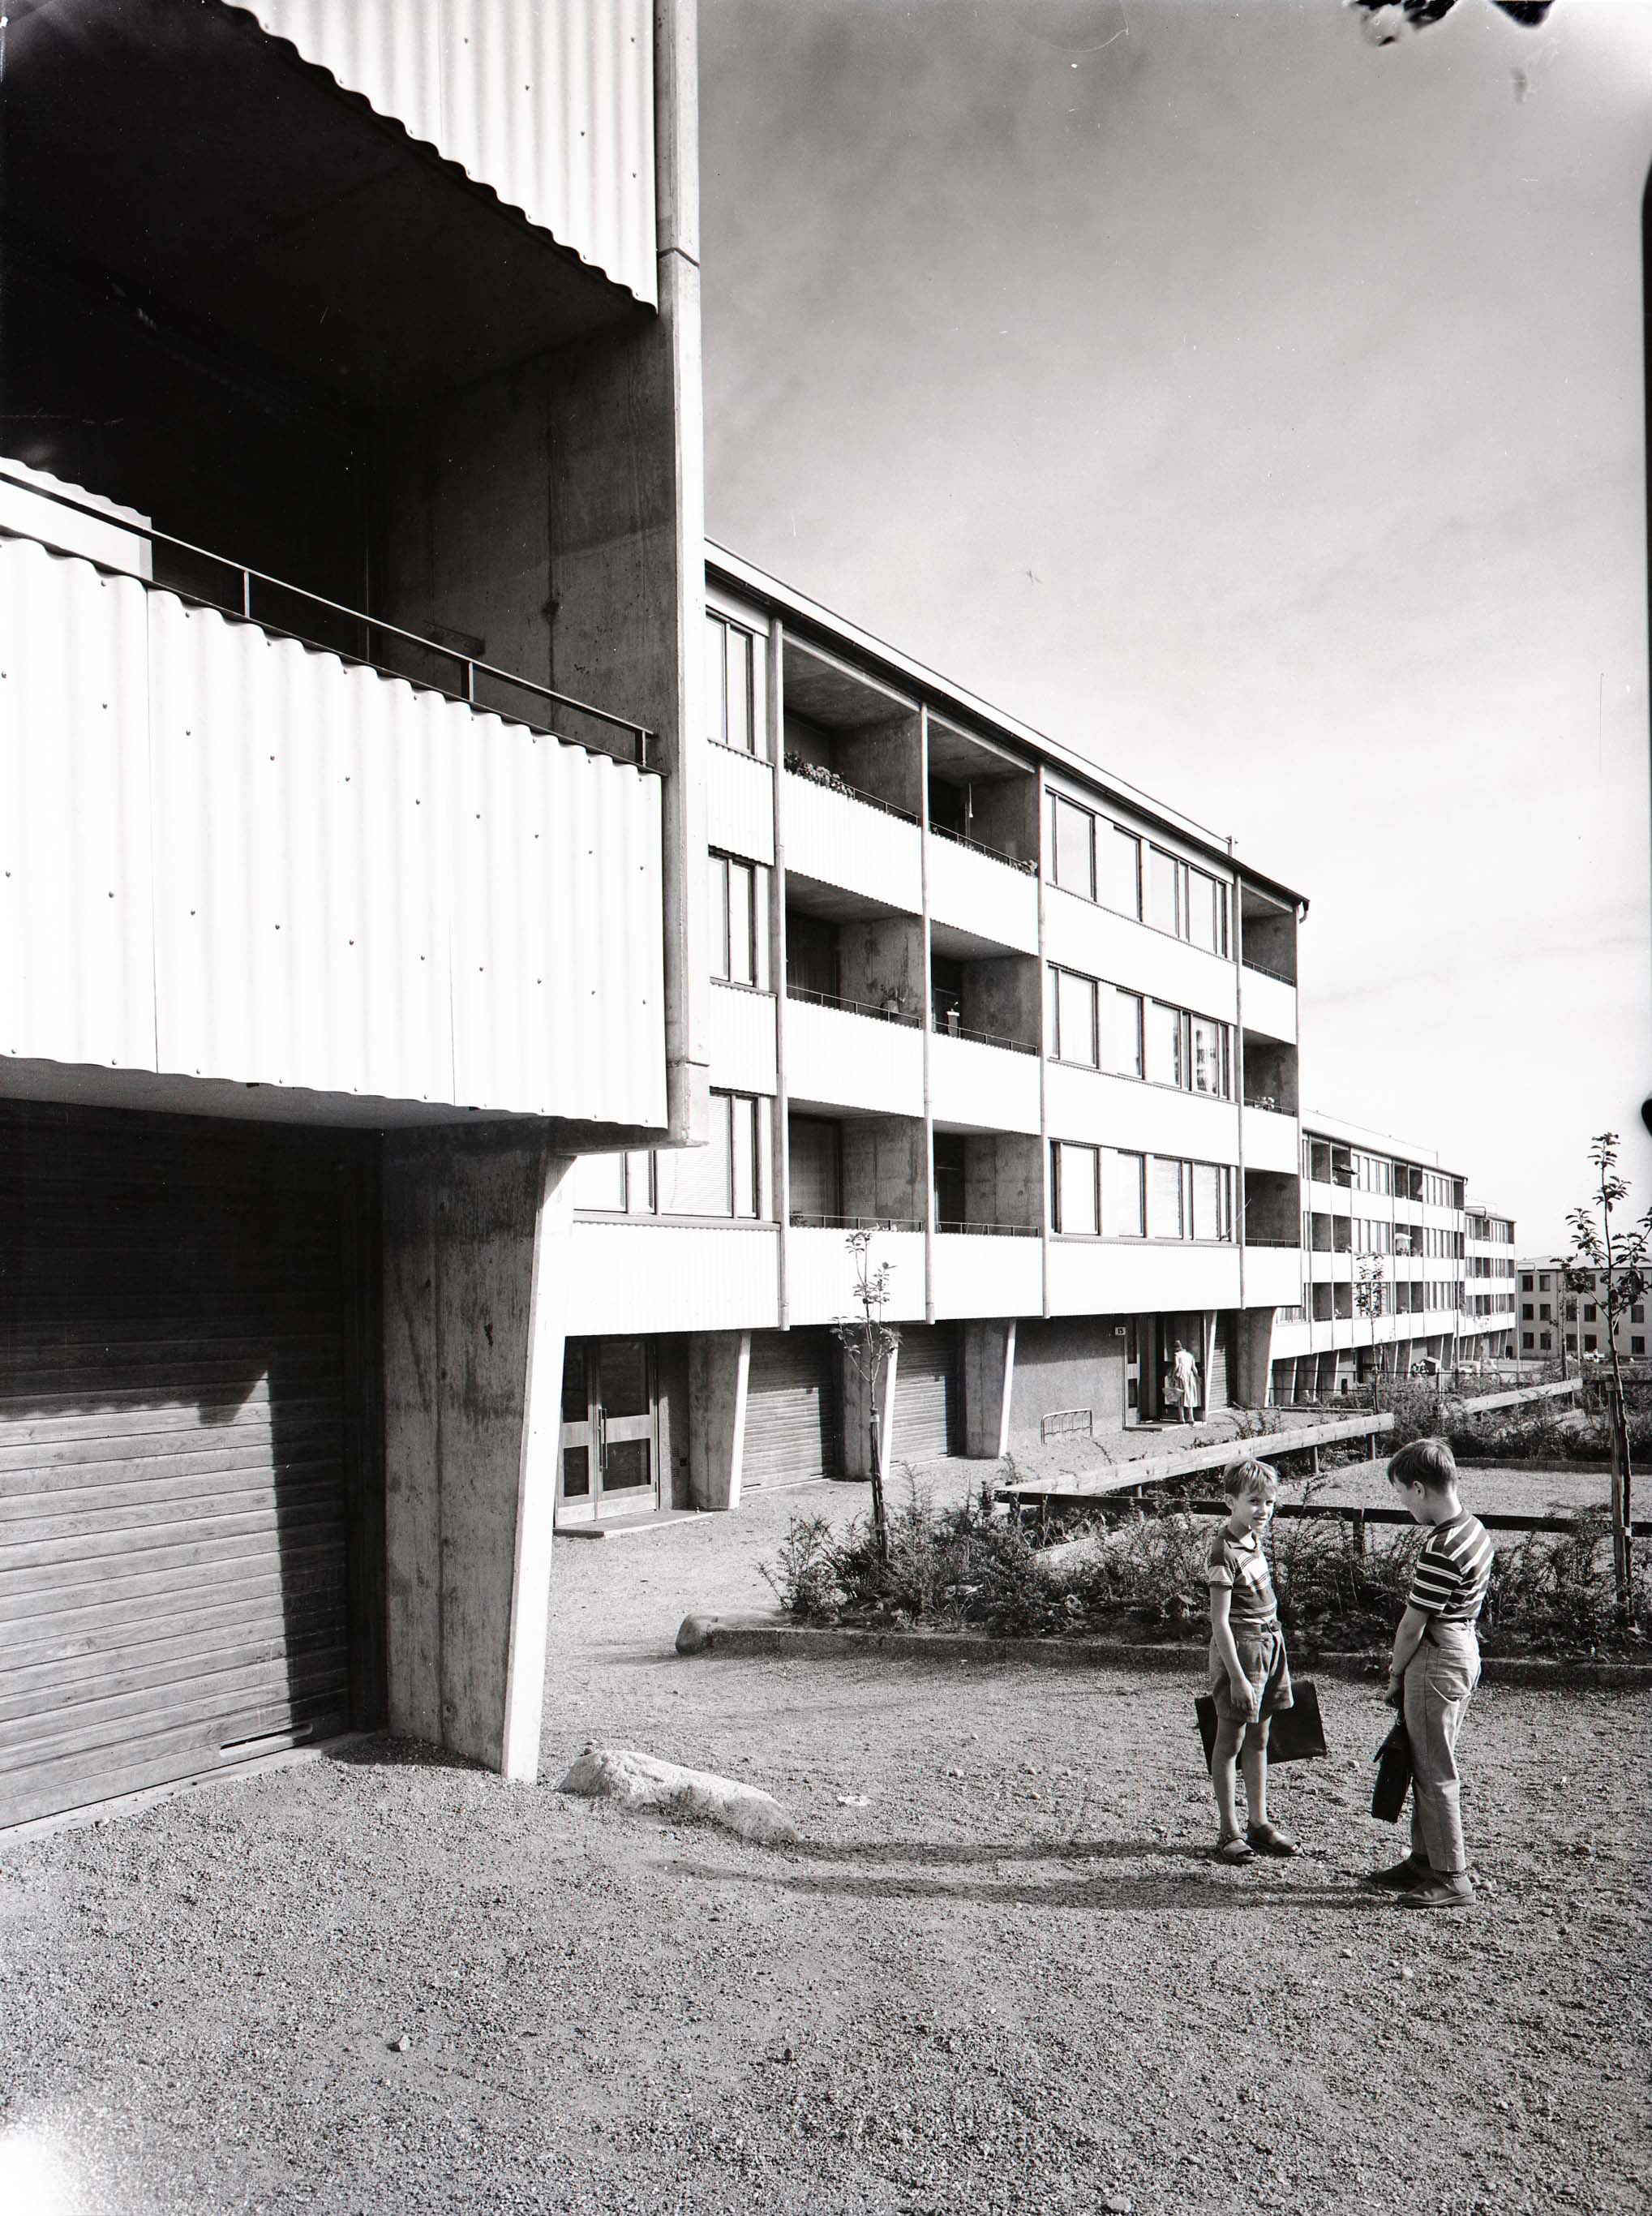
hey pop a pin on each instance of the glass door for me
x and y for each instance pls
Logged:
(608, 1460)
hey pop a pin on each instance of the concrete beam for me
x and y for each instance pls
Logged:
(477, 1285)
(719, 1364)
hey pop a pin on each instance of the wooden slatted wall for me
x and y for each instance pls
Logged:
(179, 1409)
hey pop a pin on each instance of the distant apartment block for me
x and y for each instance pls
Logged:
(1552, 1312)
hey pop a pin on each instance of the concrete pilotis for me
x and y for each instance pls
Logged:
(719, 1365)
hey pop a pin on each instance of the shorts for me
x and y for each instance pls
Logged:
(1262, 1657)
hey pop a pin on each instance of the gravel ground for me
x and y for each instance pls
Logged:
(1517, 1491)
(1001, 1972)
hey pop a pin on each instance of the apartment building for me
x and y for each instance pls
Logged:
(1397, 1268)
(1033, 1032)
(1552, 1310)
(351, 841)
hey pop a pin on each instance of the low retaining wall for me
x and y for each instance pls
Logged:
(746, 1637)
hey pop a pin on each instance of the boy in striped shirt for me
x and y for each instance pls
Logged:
(1434, 1671)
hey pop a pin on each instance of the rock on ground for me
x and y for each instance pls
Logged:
(640, 1780)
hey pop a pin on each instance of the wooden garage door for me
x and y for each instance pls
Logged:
(177, 1319)
(791, 1408)
(926, 1390)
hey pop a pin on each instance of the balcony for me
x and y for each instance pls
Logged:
(820, 1273)
(981, 1085)
(1272, 1140)
(842, 838)
(642, 1275)
(988, 1270)
(1121, 1277)
(1269, 1004)
(232, 861)
(983, 894)
(843, 1056)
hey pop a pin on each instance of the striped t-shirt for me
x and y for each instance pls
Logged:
(1453, 1569)
(1241, 1565)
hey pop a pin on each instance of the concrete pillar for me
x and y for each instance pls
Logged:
(477, 1282)
(989, 1367)
(1253, 1347)
(857, 1413)
(719, 1362)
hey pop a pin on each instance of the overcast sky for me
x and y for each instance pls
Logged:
(1259, 412)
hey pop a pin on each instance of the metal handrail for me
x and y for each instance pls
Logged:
(852, 1007)
(944, 1029)
(469, 663)
(802, 1220)
(980, 846)
(796, 765)
(1258, 1239)
(989, 1230)
(1267, 969)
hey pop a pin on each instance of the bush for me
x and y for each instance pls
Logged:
(1144, 1576)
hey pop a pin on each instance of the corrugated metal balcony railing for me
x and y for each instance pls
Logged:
(231, 857)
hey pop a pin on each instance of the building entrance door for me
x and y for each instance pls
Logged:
(609, 1458)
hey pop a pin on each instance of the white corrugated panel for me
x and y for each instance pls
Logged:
(741, 1028)
(232, 857)
(648, 1276)
(48, 518)
(550, 103)
(739, 804)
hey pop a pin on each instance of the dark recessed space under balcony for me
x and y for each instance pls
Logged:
(188, 154)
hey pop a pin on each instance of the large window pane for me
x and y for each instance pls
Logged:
(742, 940)
(639, 1182)
(1076, 1208)
(1207, 1043)
(1163, 1044)
(1163, 871)
(599, 1181)
(1076, 1017)
(742, 708)
(1119, 859)
(1123, 1020)
(1207, 1201)
(1202, 919)
(1164, 1217)
(718, 888)
(1072, 837)
(743, 1113)
(696, 1180)
(1123, 1213)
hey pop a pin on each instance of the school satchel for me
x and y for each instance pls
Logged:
(1393, 1761)
(1294, 1735)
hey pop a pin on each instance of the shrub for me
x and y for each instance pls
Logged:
(965, 1567)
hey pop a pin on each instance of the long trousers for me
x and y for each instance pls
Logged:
(1439, 1681)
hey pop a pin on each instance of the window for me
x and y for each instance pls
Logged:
(1073, 1019)
(1591, 1340)
(1213, 1201)
(1124, 1207)
(1637, 1313)
(1165, 1063)
(1164, 909)
(731, 704)
(1073, 847)
(618, 1184)
(1207, 916)
(1526, 1281)
(1119, 857)
(1545, 1313)
(1210, 1056)
(1637, 1345)
(730, 1175)
(1166, 1210)
(1526, 1341)
(1589, 1312)
(735, 938)
(1121, 1046)
(1075, 1179)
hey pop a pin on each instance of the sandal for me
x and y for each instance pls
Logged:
(1269, 1839)
(1231, 1848)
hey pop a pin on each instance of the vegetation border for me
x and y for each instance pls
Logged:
(749, 1637)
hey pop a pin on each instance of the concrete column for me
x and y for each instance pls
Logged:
(719, 1362)
(989, 1366)
(1253, 1347)
(476, 1282)
(857, 1414)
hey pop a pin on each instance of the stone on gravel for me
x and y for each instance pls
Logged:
(642, 1781)
(694, 1633)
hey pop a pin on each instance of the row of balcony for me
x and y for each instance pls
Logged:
(863, 853)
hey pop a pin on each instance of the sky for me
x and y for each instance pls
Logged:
(1258, 412)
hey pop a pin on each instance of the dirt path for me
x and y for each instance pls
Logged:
(1011, 1981)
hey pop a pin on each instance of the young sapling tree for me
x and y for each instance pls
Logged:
(869, 1342)
(1615, 1255)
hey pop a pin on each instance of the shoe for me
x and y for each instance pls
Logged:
(1231, 1848)
(1401, 1877)
(1269, 1839)
(1440, 1889)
